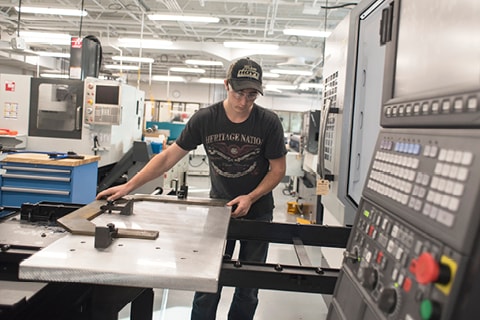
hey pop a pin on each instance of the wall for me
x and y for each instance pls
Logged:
(208, 94)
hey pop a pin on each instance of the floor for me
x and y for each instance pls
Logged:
(176, 305)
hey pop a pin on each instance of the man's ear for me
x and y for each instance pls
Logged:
(225, 82)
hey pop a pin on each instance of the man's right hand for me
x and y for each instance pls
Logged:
(113, 193)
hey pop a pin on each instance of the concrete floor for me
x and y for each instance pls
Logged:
(278, 305)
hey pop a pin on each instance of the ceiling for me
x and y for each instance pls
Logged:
(259, 21)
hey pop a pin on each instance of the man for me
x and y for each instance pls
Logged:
(246, 153)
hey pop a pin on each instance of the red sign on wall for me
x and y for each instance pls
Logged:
(10, 86)
(76, 42)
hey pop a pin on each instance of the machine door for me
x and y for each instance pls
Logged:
(56, 108)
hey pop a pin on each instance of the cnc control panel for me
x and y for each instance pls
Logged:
(416, 230)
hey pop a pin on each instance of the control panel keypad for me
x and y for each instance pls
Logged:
(437, 194)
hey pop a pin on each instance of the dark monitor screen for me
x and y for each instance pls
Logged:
(107, 94)
(436, 53)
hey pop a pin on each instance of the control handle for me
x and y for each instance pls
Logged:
(321, 145)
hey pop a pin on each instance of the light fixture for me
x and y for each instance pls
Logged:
(187, 70)
(144, 43)
(54, 75)
(183, 18)
(53, 11)
(292, 72)
(273, 87)
(272, 90)
(204, 62)
(43, 37)
(307, 33)
(307, 86)
(121, 67)
(211, 80)
(251, 45)
(52, 54)
(271, 75)
(132, 59)
(168, 78)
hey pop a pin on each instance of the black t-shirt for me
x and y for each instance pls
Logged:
(238, 153)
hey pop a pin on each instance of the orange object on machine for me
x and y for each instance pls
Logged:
(8, 132)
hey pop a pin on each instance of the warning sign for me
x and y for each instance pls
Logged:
(76, 42)
(10, 86)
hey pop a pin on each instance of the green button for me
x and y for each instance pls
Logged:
(426, 309)
(366, 213)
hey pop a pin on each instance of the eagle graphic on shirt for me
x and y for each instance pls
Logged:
(233, 160)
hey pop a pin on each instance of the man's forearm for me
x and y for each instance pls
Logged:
(269, 182)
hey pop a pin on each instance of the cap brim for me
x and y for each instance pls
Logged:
(238, 85)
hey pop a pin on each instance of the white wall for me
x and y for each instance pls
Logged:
(209, 94)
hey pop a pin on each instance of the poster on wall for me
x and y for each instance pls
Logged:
(10, 110)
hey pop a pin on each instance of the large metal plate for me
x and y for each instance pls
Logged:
(187, 255)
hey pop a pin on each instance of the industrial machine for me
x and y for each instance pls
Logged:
(413, 252)
(354, 67)
(90, 116)
(309, 203)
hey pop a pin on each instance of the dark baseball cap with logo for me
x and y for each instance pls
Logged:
(245, 74)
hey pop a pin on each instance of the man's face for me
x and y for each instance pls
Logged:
(241, 100)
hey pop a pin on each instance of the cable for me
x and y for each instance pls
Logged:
(81, 21)
(338, 6)
(19, 14)
(198, 165)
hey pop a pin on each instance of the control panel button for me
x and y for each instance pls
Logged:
(429, 310)
(388, 300)
(427, 270)
(369, 278)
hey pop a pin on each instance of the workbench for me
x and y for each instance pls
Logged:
(34, 177)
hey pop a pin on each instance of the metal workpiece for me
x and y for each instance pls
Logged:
(187, 255)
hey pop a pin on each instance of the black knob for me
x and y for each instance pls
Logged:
(370, 278)
(388, 300)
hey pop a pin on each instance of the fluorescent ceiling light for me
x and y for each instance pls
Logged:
(250, 45)
(49, 10)
(52, 54)
(144, 43)
(168, 78)
(293, 72)
(306, 86)
(54, 75)
(43, 37)
(307, 33)
(121, 67)
(272, 90)
(204, 62)
(273, 87)
(133, 59)
(187, 70)
(270, 75)
(211, 80)
(183, 18)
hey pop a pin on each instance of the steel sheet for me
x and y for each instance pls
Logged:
(187, 255)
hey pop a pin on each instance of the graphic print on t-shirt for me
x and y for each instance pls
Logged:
(233, 155)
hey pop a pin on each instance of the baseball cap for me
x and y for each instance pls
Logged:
(245, 74)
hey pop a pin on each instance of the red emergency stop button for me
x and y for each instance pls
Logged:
(425, 268)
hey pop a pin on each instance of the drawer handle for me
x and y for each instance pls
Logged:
(36, 169)
(31, 190)
(44, 178)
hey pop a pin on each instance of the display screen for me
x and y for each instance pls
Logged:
(436, 53)
(107, 94)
